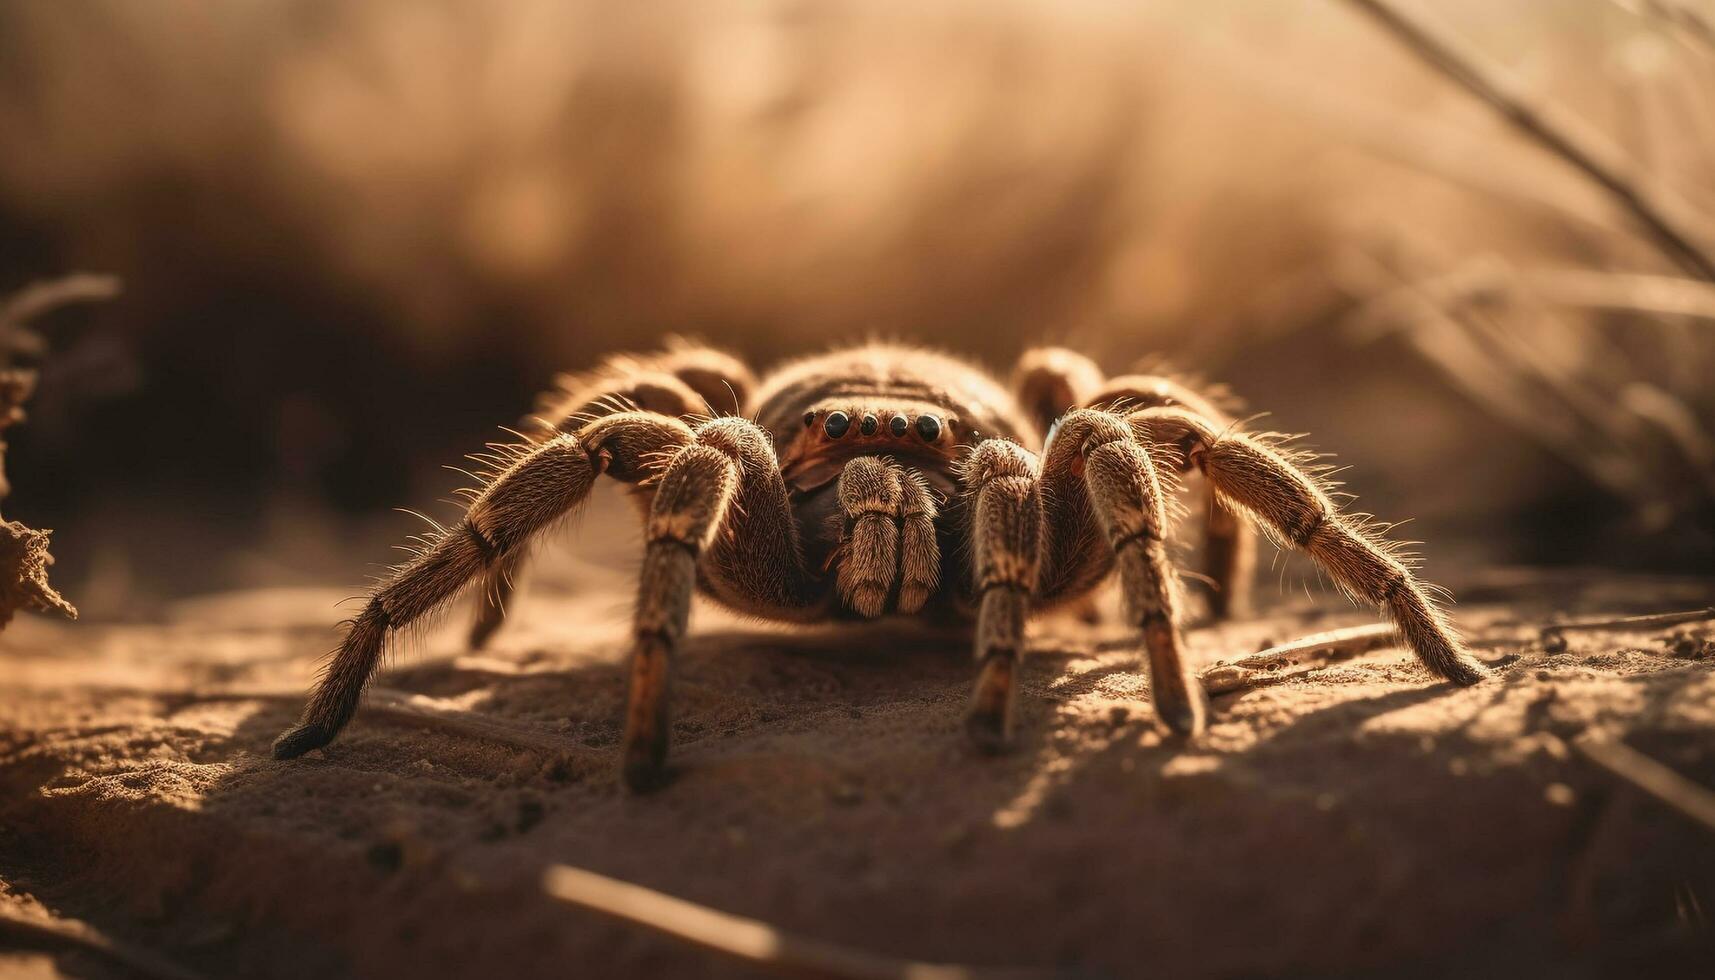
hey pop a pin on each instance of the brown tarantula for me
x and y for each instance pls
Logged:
(889, 458)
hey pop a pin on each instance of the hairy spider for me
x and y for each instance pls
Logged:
(889, 458)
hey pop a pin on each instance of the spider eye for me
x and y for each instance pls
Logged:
(809, 419)
(898, 425)
(836, 424)
(928, 428)
(869, 424)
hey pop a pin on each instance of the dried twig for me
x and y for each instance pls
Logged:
(24, 557)
(1670, 220)
(1298, 657)
(42, 297)
(73, 932)
(1553, 635)
(1649, 775)
(747, 940)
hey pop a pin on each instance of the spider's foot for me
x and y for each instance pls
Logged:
(482, 631)
(645, 767)
(1445, 656)
(1466, 671)
(988, 725)
(304, 738)
(1182, 707)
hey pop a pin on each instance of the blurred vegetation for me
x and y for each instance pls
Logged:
(358, 236)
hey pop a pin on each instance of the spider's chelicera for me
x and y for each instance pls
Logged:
(884, 479)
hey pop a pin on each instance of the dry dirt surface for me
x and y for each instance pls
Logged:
(1355, 820)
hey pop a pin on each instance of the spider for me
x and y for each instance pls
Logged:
(849, 486)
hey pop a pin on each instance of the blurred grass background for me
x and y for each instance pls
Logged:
(356, 237)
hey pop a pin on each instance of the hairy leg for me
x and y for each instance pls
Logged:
(683, 380)
(757, 563)
(1052, 381)
(541, 484)
(1005, 514)
(1268, 485)
(494, 600)
(1229, 543)
(690, 503)
(1125, 493)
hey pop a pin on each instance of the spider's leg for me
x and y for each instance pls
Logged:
(541, 484)
(691, 505)
(682, 380)
(1229, 541)
(1124, 492)
(1051, 381)
(1290, 504)
(1005, 514)
(495, 599)
(756, 564)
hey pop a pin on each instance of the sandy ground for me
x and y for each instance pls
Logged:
(1357, 820)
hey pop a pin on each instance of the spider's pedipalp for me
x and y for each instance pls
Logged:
(870, 498)
(1297, 511)
(919, 550)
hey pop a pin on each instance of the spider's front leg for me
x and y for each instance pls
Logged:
(542, 483)
(1005, 514)
(1124, 490)
(727, 481)
(1287, 501)
(1041, 536)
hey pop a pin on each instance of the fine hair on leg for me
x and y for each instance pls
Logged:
(1289, 502)
(1005, 514)
(538, 485)
(1126, 495)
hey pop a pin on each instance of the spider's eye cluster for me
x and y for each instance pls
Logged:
(836, 424)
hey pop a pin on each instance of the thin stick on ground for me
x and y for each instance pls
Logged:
(1298, 657)
(1649, 775)
(24, 557)
(743, 939)
(82, 935)
(1553, 636)
(1671, 222)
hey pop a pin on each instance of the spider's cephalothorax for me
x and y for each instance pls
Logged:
(885, 479)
